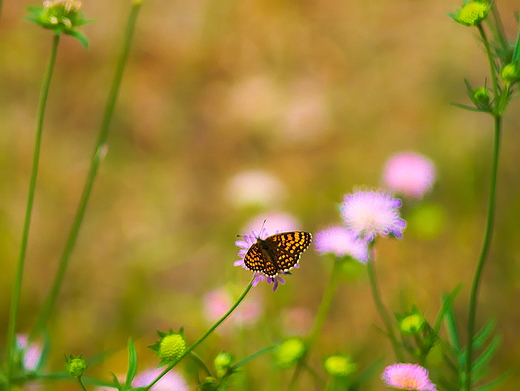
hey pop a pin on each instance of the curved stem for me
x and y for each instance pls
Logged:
(99, 152)
(17, 288)
(483, 254)
(321, 316)
(204, 336)
(492, 65)
(380, 306)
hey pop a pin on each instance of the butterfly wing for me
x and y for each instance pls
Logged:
(259, 258)
(288, 248)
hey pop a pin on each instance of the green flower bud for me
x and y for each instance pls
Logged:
(75, 365)
(209, 384)
(472, 13)
(223, 363)
(412, 324)
(510, 73)
(481, 96)
(289, 352)
(171, 346)
(339, 366)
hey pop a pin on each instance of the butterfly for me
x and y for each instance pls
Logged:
(277, 253)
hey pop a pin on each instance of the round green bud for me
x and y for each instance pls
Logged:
(223, 362)
(289, 352)
(339, 366)
(412, 324)
(481, 96)
(510, 73)
(76, 366)
(472, 13)
(171, 347)
(209, 384)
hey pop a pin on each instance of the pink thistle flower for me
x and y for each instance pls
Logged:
(244, 245)
(409, 174)
(341, 241)
(371, 213)
(408, 377)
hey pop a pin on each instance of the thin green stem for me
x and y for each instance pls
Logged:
(483, 253)
(319, 322)
(99, 152)
(492, 65)
(81, 384)
(17, 288)
(380, 306)
(204, 336)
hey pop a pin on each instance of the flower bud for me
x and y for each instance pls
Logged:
(75, 365)
(289, 352)
(223, 363)
(510, 73)
(339, 366)
(412, 324)
(472, 13)
(171, 346)
(480, 96)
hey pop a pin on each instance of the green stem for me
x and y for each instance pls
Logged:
(321, 316)
(201, 339)
(81, 384)
(99, 152)
(483, 253)
(492, 65)
(380, 306)
(17, 288)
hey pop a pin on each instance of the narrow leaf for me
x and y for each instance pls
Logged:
(132, 363)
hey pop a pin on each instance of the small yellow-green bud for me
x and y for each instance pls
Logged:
(339, 366)
(289, 352)
(481, 96)
(472, 13)
(510, 73)
(171, 347)
(412, 324)
(76, 366)
(223, 362)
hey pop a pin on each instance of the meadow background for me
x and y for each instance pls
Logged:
(318, 93)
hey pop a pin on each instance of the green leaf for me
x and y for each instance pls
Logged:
(79, 36)
(132, 363)
(446, 306)
(451, 324)
(486, 355)
(492, 383)
(482, 335)
(254, 355)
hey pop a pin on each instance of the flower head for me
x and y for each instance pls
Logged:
(408, 377)
(369, 213)
(289, 351)
(341, 241)
(75, 365)
(410, 174)
(471, 13)
(245, 245)
(171, 346)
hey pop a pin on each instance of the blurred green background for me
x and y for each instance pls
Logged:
(317, 93)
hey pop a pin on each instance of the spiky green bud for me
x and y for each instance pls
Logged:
(75, 365)
(171, 346)
(339, 366)
(223, 363)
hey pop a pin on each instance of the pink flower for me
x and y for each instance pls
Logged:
(218, 301)
(408, 377)
(32, 353)
(409, 174)
(169, 382)
(371, 213)
(341, 241)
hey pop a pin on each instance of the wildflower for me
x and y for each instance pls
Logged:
(171, 381)
(75, 365)
(32, 355)
(369, 213)
(245, 245)
(61, 16)
(171, 346)
(339, 366)
(410, 174)
(408, 377)
(471, 13)
(341, 241)
(289, 352)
